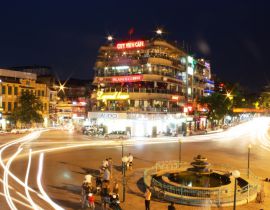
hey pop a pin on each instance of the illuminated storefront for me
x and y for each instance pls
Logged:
(140, 125)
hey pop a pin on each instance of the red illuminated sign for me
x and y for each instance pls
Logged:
(130, 45)
(133, 78)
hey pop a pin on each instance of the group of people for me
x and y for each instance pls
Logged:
(102, 185)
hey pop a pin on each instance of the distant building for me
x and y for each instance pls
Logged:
(265, 98)
(12, 84)
(73, 100)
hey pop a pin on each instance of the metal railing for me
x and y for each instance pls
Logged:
(198, 195)
(143, 90)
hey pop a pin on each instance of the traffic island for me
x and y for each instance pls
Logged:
(201, 184)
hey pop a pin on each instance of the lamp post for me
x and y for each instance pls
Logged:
(180, 151)
(124, 163)
(249, 147)
(235, 174)
(122, 157)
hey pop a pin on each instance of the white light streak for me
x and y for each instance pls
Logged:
(44, 194)
(26, 183)
(5, 181)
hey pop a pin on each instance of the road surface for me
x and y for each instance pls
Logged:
(45, 169)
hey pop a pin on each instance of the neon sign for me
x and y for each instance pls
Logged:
(112, 96)
(130, 45)
(133, 78)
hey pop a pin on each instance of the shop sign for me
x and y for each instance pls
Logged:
(112, 96)
(133, 78)
(107, 115)
(130, 45)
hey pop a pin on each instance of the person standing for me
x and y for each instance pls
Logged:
(130, 161)
(171, 206)
(106, 175)
(110, 166)
(91, 200)
(88, 178)
(86, 189)
(147, 196)
(116, 188)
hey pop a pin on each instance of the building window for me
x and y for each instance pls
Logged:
(16, 91)
(15, 105)
(3, 89)
(4, 105)
(9, 90)
(42, 92)
(38, 92)
(9, 106)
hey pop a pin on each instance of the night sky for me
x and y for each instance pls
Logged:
(233, 35)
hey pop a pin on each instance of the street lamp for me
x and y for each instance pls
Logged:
(124, 163)
(235, 174)
(109, 38)
(249, 147)
(180, 151)
(159, 31)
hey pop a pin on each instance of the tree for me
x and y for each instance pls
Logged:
(218, 105)
(29, 109)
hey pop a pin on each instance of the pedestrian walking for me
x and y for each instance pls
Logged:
(130, 161)
(147, 196)
(91, 200)
(171, 206)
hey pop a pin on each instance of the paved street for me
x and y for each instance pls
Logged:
(29, 182)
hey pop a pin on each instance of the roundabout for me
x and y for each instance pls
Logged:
(200, 185)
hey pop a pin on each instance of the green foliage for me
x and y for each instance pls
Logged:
(218, 106)
(29, 109)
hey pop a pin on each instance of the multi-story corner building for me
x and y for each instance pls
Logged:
(146, 79)
(73, 100)
(12, 84)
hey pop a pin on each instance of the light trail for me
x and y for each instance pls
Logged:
(18, 201)
(254, 131)
(5, 181)
(33, 204)
(44, 194)
(7, 172)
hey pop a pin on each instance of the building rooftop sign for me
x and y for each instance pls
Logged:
(130, 45)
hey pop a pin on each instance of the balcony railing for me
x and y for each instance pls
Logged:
(143, 90)
(137, 109)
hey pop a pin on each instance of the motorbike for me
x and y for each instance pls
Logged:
(114, 202)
